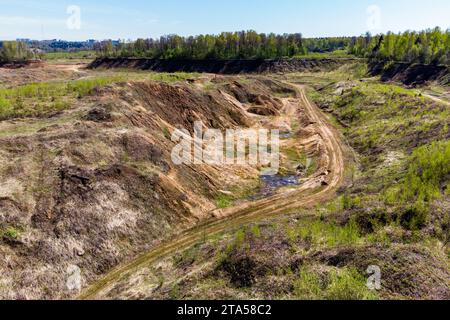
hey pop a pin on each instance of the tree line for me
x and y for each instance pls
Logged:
(430, 46)
(227, 45)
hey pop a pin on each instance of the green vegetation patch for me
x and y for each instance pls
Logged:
(338, 284)
(428, 176)
(40, 99)
(75, 55)
(325, 233)
(10, 232)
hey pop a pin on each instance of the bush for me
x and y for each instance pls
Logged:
(349, 202)
(414, 217)
(14, 50)
(428, 174)
(370, 222)
(242, 270)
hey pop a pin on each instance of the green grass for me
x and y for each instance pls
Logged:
(84, 87)
(427, 179)
(172, 77)
(429, 169)
(350, 202)
(338, 284)
(187, 257)
(140, 75)
(242, 191)
(325, 55)
(350, 71)
(70, 55)
(294, 154)
(391, 129)
(322, 233)
(166, 133)
(38, 99)
(256, 231)
(224, 201)
(10, 232)
(376, 114)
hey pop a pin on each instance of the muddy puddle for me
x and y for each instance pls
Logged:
(285, 135)
(271, 183)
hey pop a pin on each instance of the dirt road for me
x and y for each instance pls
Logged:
(318, 188)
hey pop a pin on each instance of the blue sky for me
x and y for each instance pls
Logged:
(101, 19)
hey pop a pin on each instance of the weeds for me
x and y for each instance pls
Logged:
(187, 257)
(348, 284)
(38, 99)
(329, 234)
(166, 133)
(84, 54)
(10, 232)
(224, 201)
(256, 232)
(349, 202)
(429, 170)
(339, 284)
(172, 77)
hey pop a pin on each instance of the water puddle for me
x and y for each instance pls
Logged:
(271, 183)
(285, 135)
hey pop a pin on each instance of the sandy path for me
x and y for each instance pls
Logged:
(319, 188)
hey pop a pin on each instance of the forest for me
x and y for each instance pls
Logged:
(429, 47)
(227, 45)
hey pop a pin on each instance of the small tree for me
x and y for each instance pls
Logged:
(14, 50)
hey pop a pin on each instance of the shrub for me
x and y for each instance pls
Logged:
(349, 202)
(428, 173)
(369, 222)
(414, 217)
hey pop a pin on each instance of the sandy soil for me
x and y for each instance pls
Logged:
(41, 73)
